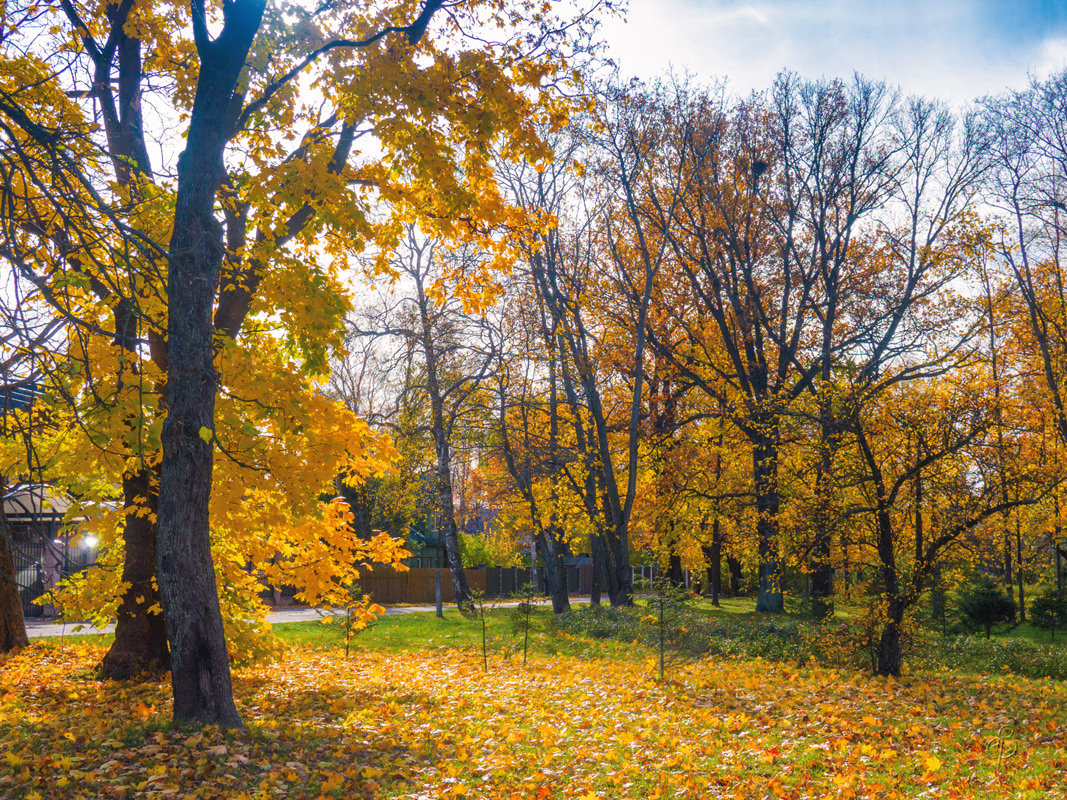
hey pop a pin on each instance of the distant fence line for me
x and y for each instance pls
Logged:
(41, 565)
(416, 585)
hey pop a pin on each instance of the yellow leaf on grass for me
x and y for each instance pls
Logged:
(333, 782)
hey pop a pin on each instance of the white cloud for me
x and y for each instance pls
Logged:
(1053, 55)
(938, 49)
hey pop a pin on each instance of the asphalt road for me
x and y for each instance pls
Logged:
(37, 629)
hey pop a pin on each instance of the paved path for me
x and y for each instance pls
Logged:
(37, 629)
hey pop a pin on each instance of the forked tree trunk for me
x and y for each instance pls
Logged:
(200, 665)
(12, 623)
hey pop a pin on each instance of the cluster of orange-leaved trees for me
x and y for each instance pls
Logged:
(816, 334)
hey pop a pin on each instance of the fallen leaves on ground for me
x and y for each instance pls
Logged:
(434, 725)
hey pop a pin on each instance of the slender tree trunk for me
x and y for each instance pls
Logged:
(200, 665)
(617, 564)
(765, 472)
(556, 544)
(715, 561)
(890, 652)
(735, 575)
(442, 446)
(713, 580)
(889, 645)
(450, 534)
(556, 572)
(919, 544)
(597, 558)
(140, 645)
(1019, 568)
(12, 623)
(822, 570)
(675, 574)
(1009, 572)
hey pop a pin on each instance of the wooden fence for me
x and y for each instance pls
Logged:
(416, 585)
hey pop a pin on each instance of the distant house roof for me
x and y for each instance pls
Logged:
(18, 398)
(34, 501)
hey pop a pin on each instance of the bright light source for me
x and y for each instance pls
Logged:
(90, 542)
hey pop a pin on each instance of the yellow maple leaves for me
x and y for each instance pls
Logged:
(433, 724)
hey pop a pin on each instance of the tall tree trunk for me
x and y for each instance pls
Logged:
(12, 623)
(822, 569)
(889, 646)
(555, 571)
(446, 509)
(556, 544)
(597, 558)
(620, 577)
(765, 472)
(890, 652)
(713, 557)
(200, 665)
(675, 574)
(1019, 568)
(140, 645)
(440, 430)
(735, 575)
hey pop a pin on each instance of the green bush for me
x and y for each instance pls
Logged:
(1048, 608)
(832, 643)
(983, 604)
(474, 551)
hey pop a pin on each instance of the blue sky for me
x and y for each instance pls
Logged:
(953, 49)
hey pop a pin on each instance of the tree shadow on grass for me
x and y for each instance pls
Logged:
(68, 735)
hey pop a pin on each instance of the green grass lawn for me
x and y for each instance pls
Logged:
(733, 629)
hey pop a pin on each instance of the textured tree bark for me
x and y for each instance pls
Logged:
(713, 557)
(822, 570)
(735, 576)
(12, 623)
(675, 573)
(140, 645)
(555, 571)
(889, 650)
(447, 511)
(200, 665)
(597, 566)
(620, 575)
(889, 647)
(765, 470)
